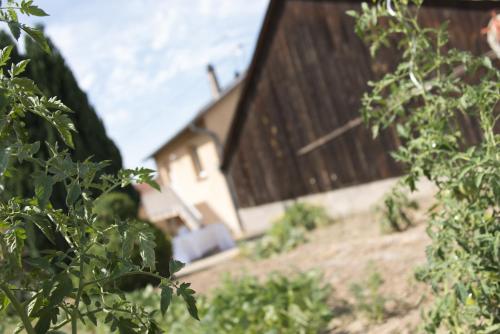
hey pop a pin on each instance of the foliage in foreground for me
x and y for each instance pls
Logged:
(48, 289)
(289, 231)
(432, 88)
(281, 304)
(397, 211)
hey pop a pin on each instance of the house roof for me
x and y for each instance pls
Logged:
(266, 34)
(202, 112)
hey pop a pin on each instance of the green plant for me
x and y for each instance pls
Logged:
(289, 231)
(368, 298)
(431, 88)
(306, 215)
(117, 205)
(281, 238)
(396, 212)
(163, 256)
(281, 304)
(51, 288)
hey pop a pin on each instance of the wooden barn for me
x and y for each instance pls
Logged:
(297, 130)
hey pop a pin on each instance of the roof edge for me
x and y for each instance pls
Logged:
(252, 72)
(203, 110)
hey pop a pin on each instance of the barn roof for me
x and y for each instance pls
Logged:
(266, 34)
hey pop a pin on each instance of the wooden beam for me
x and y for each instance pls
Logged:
(332, 135)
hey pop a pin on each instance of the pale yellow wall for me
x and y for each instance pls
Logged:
(219, 119)
(210, 194)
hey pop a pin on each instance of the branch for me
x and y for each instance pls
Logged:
(19, 309)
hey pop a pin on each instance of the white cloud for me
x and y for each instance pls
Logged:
(117, 116)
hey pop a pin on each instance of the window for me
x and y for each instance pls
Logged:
(198, 167)
(165, 173)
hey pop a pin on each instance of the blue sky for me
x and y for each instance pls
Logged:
(142, 62)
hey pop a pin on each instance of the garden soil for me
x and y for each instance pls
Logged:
(346, 252)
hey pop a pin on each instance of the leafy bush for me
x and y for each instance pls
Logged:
(306, 215)
(289, 231)
(396, 212)
(369, 300)
(279, 305)
(281, 237)
(432, 88)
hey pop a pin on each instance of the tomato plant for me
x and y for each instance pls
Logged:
(48, 289)
(433, 85)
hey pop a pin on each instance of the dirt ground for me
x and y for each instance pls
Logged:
(343, 252)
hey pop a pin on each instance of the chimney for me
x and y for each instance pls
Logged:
(214, 83)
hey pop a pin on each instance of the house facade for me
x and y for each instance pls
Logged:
(194, 190)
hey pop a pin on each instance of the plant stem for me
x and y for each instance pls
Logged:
(74, 315)
(131, 273)
(19, 309)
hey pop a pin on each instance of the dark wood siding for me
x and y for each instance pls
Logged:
(311, 75)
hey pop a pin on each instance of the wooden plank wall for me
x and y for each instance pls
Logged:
(311, 81)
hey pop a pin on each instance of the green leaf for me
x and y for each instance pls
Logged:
(4, 160)
(43, 189)
(153, 184)
(461, 292)
(45, 226)
(15, 29)
(4, 302)
(12, 14)
(126, 326)
(187, 294)
(375, 130)
(86, 299)
(63, 290)
(28, 84)
(36, 11)
(5, 55)
(352, 13)
(38, 37)
(487, 63)
(92, 318)
(74, 191)
(153, 328)
(129, 236)
(402, 131)
(15, 245)
(147, 248)
(64, 126)
(492, 329)
(109, 317)
(43, 324)
(174, 266)
(39, 262)
(166, 298)
(19, 67)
